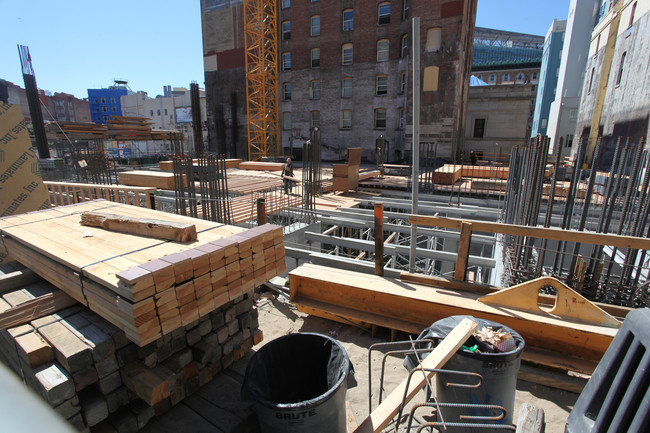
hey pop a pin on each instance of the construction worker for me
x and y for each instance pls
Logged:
(287, 170)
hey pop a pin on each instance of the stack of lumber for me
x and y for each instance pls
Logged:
(448, 174)
(169, 165)
(129, 128)
(152, 179)
(145, 286)
(95, 377)
(74, 130)
(553, 341)
(346, 176)
(166, 135)
(242, 184)
(261, 166)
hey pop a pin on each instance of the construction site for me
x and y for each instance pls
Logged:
(313, 288)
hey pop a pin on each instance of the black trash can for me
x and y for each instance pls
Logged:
(499, 371)
(297, 383)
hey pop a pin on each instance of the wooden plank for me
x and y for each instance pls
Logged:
(16, 279)
(35, 308)
(261, 166)
(384, 413)
(425, 305)
(154, 228)
(154, 179)
(535, 232)
(463, 251)
(530, 419)
(145, 383)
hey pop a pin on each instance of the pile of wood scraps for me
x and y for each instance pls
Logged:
(129, 128)
(146, 286)
(80, 131)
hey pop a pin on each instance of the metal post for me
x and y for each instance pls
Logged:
(261, 211)
(379, 239)
(415, 147)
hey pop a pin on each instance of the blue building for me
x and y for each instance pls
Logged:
(105, 103)
(548, 76)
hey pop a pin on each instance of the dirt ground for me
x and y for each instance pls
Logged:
(277, 317)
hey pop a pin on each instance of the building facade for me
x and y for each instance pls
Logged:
(500, 115)
(105, 103)
(345, 67)
(548, 76)
(563, 113)
(615, 100)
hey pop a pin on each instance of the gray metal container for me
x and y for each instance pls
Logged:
(297, 383)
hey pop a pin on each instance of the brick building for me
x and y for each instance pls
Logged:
(345, 67)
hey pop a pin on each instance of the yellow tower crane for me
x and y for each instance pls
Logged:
(260, 26)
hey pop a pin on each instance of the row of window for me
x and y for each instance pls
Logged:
(520, 78)
(383, 11)
(381, 87)
(105, 109)
(103, 100)
(383, 46)
(345, 119)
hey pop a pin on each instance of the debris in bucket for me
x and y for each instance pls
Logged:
(494, 341)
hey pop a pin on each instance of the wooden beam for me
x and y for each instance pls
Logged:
(35, 308)
(535, 232)
(384, 413)
(463, 251)
(431, 280)
(153, 228)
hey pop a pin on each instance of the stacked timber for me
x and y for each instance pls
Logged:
(261, 166)
(129, 128)
(169, 165)
(75, 130)
(147, 287)
(145, 178)
(95, 377)
(346, 176)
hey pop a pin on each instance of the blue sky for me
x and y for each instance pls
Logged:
(81, 44)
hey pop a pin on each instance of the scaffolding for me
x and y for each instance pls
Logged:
(261, 78)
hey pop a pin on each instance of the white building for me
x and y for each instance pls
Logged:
(170, 111)
(563, 113)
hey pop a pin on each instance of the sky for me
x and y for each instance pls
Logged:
(80, 44)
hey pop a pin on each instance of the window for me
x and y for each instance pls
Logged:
(493, 78)
(348, 20)
(105, 109)
(619, 76)
(346, 87)
(381, 85)
(402, 82)
(314, 119)
(314, 89)
(158, 112)
(406, 4)
(315, 57)
(112, 100)
(286, 61)
(286, 120)
(103, 100)
(520, 77)
(151, 113)
(346, 54)
(315, 25)
(165, 111)
(569, 140)
(629, 24)
(114, 109)
(383, 13)
(533, 76)
(286, 4)
(346, 119)
(404, 50)
(479, 128)
(286, 90)
(286, 30)
(434, 40)
(400, 116)
(380, 118)
(382, 50)
(105, 118)
(506, 77)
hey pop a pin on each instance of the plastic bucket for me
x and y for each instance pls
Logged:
(297, 383)
(499, 372)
